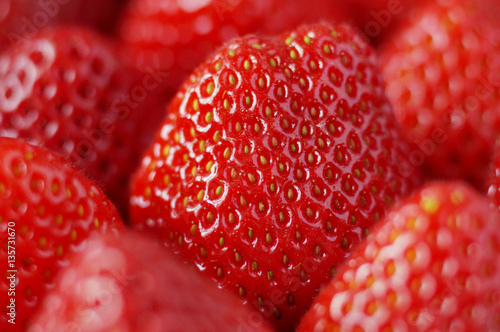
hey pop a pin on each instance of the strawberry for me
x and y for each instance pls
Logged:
(441, 72)
(22, 19)
(47, 210)
(75, 92)
(179, 35)
(132, 284)
(276, 158)
(432, 265)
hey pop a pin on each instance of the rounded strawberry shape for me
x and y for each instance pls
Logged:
(276, 158)
(47, 211)
(441, 72)
(74, 92)
(431, 266)
(131, 283)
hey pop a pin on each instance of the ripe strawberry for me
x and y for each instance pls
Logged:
(179, 35)
(74, 92)
(47, 210)
(21, 19)
(441, 72)
(132, 284)
(276, 157)
(433, 265)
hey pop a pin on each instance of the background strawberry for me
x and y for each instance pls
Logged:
(179, 34)
(276, 158)
(132, 284)
(75, 92)
(431, 266)
(441, 72)
(54, 209)
(21, 19)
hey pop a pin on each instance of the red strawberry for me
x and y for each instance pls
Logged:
(132, 284)
(442, 73)
(21, 19)
(72, 91)
(433, 265)
(276, 157)
(47, 210)
(180, 34)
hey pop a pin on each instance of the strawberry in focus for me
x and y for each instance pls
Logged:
(431, 266)
(133, 284)
(51, 209)
(276, 158)
(441, 71)
(75, 92)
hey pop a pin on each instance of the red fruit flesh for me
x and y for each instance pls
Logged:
(132, 284)
(431, 266)
(51, 209)
(276, 158)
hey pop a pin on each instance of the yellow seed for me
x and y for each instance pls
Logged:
(202, 146)
(227, 105)
(218, 192)
(231, 53)
(272, 63)
(216, 136)
(289, 40)
(293, 55)
(307, 39)
(200, 195)
(429, 205)
(247, 65)
(196, 105)
(227, 153)
(209, 166)
(210, 88)
(257, 46)
(208, 117)
(166, 150)
(73, 235)
(232, 80)
(166, 180)
(194, 171)
(263, 161)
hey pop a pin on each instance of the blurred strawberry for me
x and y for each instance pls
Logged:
(433, 265)
(74, 92)
(441, 72)
(47, 211)
(22, 19)
(132, 284)
(180, 34)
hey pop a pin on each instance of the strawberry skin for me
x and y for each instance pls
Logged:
(133, 284)
(441, 72)
(74, 92)
(433, 265)
(276, 158)
(54, 208)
